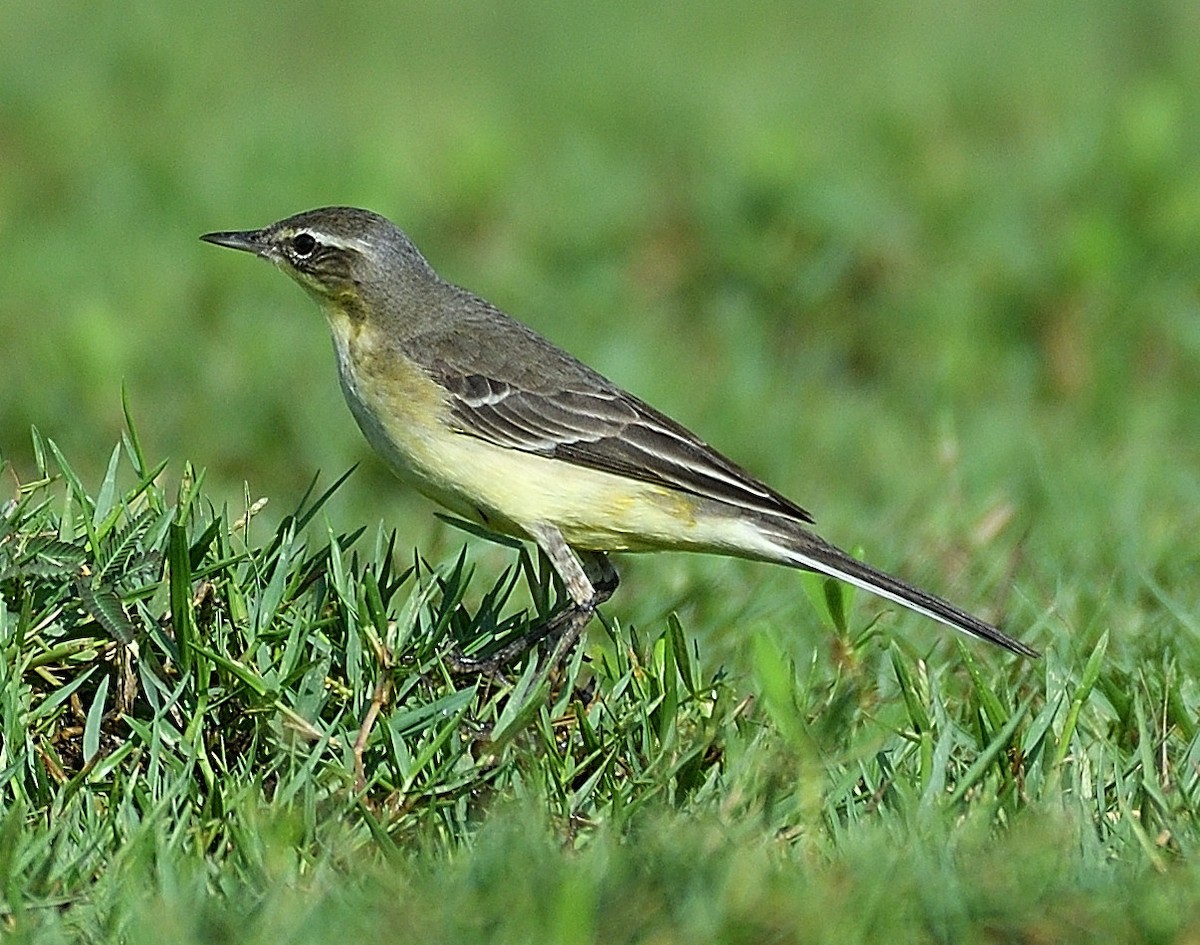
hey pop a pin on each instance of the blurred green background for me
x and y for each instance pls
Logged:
(930, 269)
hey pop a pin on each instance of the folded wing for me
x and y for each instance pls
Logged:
(599, 426)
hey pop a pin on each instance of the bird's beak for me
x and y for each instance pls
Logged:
(250, 241)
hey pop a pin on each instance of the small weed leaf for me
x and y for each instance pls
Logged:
(101, 601)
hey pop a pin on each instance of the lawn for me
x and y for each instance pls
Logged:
(931, 273)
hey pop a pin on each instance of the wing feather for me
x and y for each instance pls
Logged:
(609, 430)
(508, 385)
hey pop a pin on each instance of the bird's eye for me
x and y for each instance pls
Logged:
(303, 245)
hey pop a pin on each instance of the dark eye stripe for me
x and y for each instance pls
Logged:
(307, 253)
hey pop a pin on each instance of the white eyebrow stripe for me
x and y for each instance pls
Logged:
(328, 239)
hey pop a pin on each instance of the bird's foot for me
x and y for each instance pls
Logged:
(564, 628)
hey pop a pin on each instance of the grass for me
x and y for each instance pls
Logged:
(953, 251)
(191, 712)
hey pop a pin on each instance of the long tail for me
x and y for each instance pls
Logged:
(806, 550)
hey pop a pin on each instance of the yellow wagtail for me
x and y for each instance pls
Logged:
(494, 422)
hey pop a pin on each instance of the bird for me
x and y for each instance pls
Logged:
(500, 426)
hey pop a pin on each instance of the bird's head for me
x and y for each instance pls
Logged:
(343, 256)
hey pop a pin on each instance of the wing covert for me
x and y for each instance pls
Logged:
(604, 428)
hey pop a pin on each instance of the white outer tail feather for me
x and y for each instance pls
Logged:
(829, 560)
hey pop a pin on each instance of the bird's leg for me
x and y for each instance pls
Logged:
(589, 582)
(570, 624)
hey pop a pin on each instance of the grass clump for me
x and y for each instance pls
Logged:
(202, 712)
